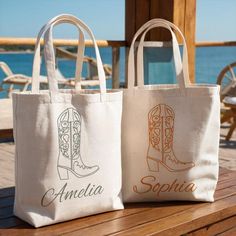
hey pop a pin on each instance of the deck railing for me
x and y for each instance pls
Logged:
(215, 44)
(114, 44)
(101, 43)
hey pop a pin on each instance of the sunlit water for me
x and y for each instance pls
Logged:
(209, 62)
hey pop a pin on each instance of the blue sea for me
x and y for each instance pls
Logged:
(209, 62)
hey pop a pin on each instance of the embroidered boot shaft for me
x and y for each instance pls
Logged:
(161, 134)
(69, 133)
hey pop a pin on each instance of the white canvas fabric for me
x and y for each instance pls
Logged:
(170, 133)
(68, 143)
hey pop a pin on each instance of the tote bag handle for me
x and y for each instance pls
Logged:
(37, 59)
(176, 55)
(165, 24)
(50, 58)
(49, 55)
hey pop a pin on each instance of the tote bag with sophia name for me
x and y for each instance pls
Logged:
(68, 162)
(170, 133)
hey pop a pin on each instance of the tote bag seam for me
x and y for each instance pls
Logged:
(16, 154)
(69, 100)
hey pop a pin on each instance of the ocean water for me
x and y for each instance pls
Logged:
(209, 62)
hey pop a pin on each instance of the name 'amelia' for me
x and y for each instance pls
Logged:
(63, 194)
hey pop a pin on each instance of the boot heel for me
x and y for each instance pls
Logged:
(153, 164)
(63, 173)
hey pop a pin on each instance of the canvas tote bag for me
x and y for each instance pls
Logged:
(170, 133)
(68, 162)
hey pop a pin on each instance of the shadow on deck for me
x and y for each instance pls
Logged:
(172, 218)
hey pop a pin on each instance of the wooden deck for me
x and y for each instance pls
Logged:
(6, 122)
(173, 218)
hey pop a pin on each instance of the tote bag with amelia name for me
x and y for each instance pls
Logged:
(170, 133)
(68, 162)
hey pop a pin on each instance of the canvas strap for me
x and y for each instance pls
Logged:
(50, 57)
(176, 56)
(181, 68)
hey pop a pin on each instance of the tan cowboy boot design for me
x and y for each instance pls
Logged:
(161, 132)
(69, 129)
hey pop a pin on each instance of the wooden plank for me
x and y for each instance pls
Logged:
(6, 212)
(163, 212)
(7, 165)
(115, 67)
(8, 223)
(6, 41)
(179, 16)
(6, 121)
(224, 171)
(216, 228)
(108, 43)
(77, 225)
(136, 209)
(188, 220)
(226, 184)
(159, 214)
(224, 176)
(161, 9)
(215, 44)
(73, 225)
(8, 147)
(6, 192)
(227, 152)
(121, 224)
(6, 134)
(189, 33)
(155, 10)
(130, 18)
(194, 215)
(180, 12)
(230, 232)
(7, 201)
(130, 29)
(111, 43)
(224, 193)
(225, 188)
(142, 9)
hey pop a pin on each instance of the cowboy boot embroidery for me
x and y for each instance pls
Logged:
(161, 132)
(69, 134)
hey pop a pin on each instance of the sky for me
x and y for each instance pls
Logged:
(216, 19)
(24, 18)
